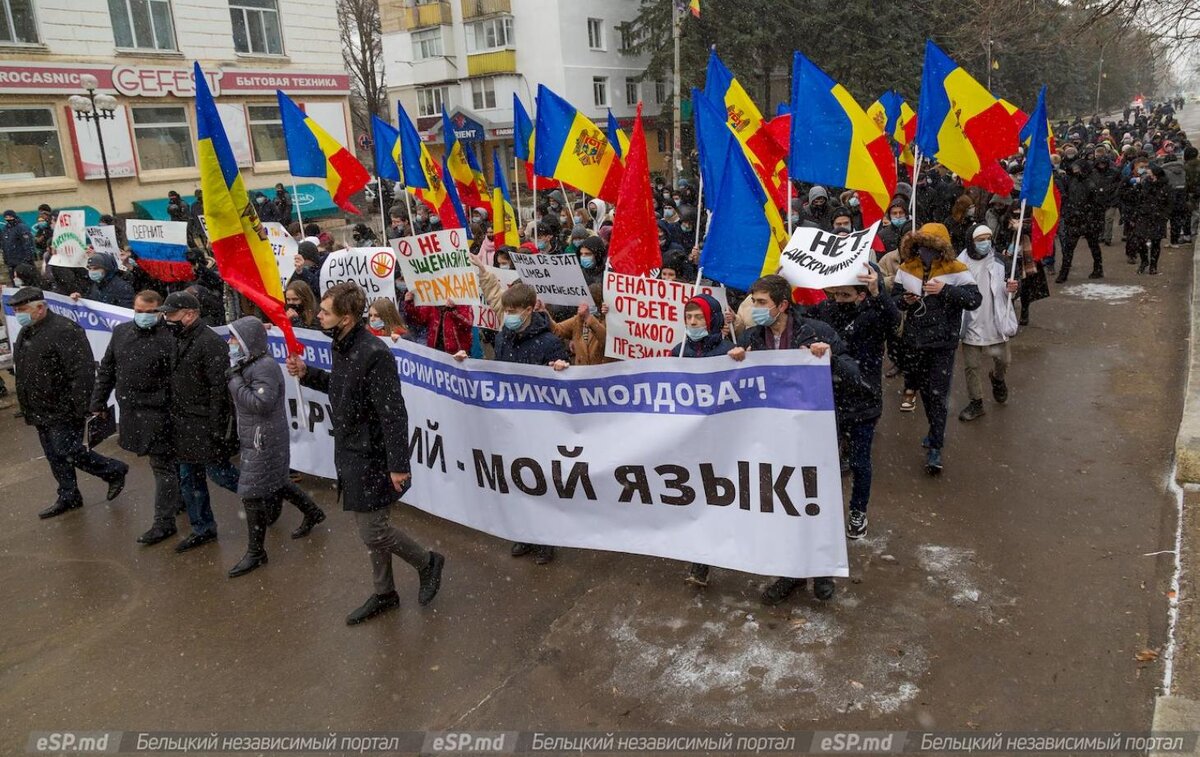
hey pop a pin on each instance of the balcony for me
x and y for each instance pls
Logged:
(496, 62)
(479, 8)
(402, 15)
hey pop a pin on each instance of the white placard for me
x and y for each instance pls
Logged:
(645, 316)
(437, 268)
(817, 259)
(104, 239)
(286, 249)
(557, 279)
(372, 268)
(70, 240)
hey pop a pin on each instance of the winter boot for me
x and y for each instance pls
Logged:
(257, 516)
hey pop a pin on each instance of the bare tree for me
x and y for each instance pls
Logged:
(362, 51)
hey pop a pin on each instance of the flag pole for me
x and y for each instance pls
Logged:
(408, 206)
(382, 214)
(517, 186)
(912, 201)
(296, 196)
(700, 211)
(301, 408)
(789, 207)
(1017, 247)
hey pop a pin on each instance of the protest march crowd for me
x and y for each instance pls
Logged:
(950, 262)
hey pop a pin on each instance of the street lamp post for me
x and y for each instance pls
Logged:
(96, 108)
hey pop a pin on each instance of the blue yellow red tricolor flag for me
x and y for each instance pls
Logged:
(312, 153)
(1038, 189)
(422, 175)
(834, 142)
(694, 7)
(898, 121)
(455, 202)
(746, 234)
(523, 138)
(766, 154)
(963, 125)
(504, 220)
(572, 149)
(239, 242)
(616, 137)
(459, 160)
(387, 149)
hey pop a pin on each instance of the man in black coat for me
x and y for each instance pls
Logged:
(107, 284)
(779, 326)
(1082, 215)
(138, 365)
(55, 375)
(16, 241)
(370, 444)
(201, 425)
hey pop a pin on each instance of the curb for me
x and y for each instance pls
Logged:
(1187, 442)
(1176, 714)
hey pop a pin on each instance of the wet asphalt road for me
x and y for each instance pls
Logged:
(1013, 592)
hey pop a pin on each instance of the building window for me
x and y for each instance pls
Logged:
(627, 38)
(600, 91)
(163, 138)
(255, 27)
(16, 22)
(266, 133)
(632, 93)
(483, 93)
(662, 141)
(431, 100)
(660, 92)
(595, 33)
(142, 24)
(492, 34)
(427, 43)
(29, 146)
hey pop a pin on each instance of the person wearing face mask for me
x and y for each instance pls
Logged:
(56, 374)
(200, 415)
(370, 445)
(138, 365)
(265, 208)
(987, 329)
(383, 319)
(585, 332)
(26, 275)
(107, 286)
(447, 328)
(842, 221)
(961, 221)
(398, 223)
(547, 237)
(526, 338)
(1148, 198)
(591, 259)
(864, 316)
(933, 289)
(308, 266)
(256, 386)
(1082, 216)
(779, 326)
(816, 213)
(300, 305)
(851, 204)
(16, 241)
(503, 259)
(896, 224)
(1107, 178)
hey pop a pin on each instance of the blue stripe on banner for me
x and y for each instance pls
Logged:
(170, 253)
(92, 316)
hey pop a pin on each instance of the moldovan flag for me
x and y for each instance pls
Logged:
(835, 143)
(1038, 189)
(244, 257)
(523, 138)
(504, 220)
(422, 175)
(746, 234)
(963, 125)
(765, 153)
(387, 148)
(633, 248)
(694, 7)
(314, 154)
(574, 150)
(898, 120)
(459, 160)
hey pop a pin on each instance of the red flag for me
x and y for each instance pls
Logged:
(633, 249)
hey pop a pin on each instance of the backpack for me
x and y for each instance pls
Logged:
(1176, 174)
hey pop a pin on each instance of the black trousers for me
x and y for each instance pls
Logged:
(1138, 245)
(1071, 241)
(929, 372)
(63, 445)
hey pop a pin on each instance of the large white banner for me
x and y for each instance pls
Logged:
(604, 457)
(372, 268)
(645, 316)
(437, 268)
(70, 240)
(816, 259)
(557, 279)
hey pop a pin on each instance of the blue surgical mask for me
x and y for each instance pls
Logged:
(854, 202)
(235, 352)
(587, 261)
(145, 320)
(96, 276)
(898, 222)
(542, 245)
(377, 324)
(983, 246)
(762, 316)
(25, 319)
(696, 333)
(513, 321)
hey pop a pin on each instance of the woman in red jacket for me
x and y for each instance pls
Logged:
(448, 327)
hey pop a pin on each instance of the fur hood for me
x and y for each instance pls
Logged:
(922, 238)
